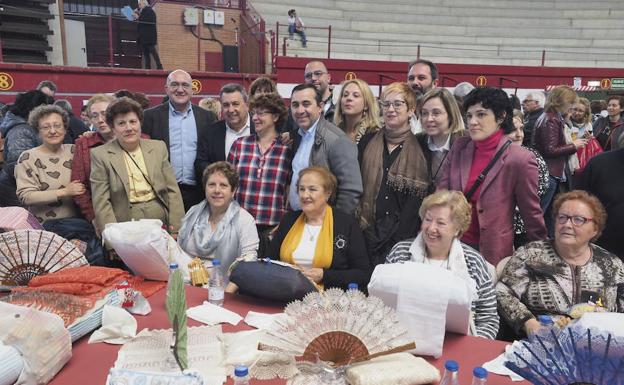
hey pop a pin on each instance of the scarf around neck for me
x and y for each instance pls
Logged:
(324, 252)
(197, 238)
(408, 174)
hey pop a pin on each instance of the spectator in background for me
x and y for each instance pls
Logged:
(357, 111)
(549, 140)
(532, 108)
(211, 104)
(295, 25)
(142, 99)
(47, 87)
(609, 129)
(317, 75)
(75, 127)
(124, 93)
(422, 76)
(581, 119)
(180, 125)
(598, 109)
(84, 116)
(262, 85)
(18, 137)
(603, 178)
(460, 92)
(147, 38)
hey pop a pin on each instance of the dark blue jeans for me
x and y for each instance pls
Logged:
(292, 30)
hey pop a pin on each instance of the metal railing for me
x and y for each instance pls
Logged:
(285, 39)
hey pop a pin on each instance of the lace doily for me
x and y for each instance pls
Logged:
(150, 351)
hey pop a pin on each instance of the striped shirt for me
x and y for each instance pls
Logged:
(484, 307)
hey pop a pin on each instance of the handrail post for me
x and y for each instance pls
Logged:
(543, 57)
(1, 55)
(284, 47)
(277, 24)
(418, 52)
(273, 51)
(329, 37)
(110, 42)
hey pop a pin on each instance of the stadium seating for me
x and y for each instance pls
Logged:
(576, 33)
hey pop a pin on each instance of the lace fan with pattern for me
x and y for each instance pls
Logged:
(25, 254)
(336, 328)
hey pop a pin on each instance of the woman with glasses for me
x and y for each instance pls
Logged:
(263, 164)
(357, 112)
(494, 175)
(43, 173)
(394, 175)
(550, 277)
(442, 123)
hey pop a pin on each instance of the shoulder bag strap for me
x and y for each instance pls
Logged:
(485, 171)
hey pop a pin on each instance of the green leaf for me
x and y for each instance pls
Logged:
(176, 311)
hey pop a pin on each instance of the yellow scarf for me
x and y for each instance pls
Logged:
(324, 252)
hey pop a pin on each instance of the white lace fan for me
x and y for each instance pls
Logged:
(25, 254)
(337, 328)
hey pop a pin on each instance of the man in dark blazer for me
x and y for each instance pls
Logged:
(214, 144)
(179, 124)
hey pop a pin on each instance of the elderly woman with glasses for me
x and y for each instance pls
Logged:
(549, 277)
(394, 175)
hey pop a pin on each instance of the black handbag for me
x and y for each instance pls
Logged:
(269, 280)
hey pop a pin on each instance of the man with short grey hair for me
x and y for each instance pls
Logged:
(533, 108)
(214, 145)
(179, 124)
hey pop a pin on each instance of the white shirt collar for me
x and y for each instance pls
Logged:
(432, 146)
(245, 127)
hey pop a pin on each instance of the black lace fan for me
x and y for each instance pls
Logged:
(25, 254)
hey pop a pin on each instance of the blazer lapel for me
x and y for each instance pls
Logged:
(118, 164)
(150, 158)
(498, 166)
(164, 123)
(466, 162)
(221, 143)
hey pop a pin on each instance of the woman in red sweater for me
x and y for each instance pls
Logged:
(510, 182)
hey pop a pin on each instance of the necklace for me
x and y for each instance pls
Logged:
(312, 231)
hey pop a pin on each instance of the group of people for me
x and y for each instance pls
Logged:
(336, 184)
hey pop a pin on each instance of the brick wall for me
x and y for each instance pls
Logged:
(177, 45)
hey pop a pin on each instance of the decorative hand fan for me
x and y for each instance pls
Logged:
(25, 254)
(329, 330)
(572, 355)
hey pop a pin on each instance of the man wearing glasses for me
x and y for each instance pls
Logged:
(533, 108)
(179, 123)
(317, 75)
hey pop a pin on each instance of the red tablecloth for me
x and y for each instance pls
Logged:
(90, 363)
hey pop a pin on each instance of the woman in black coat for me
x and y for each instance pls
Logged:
(147, 34)
(327, 245)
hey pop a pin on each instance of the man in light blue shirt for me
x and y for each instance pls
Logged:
(178, 123)
(322, 144)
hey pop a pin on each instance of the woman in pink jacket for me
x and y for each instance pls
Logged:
(494, 176)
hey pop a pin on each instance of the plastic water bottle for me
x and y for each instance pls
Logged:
(352, 286)
(241, 375)
(216, 287)
(172, 267)
(546, 321)
(450, 377)
(479, 376)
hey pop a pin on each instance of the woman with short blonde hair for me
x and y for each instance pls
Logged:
(445, 217)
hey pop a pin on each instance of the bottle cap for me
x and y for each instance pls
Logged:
(545, 320)
(240, 371)
(216, 262)
(173, 266)
(352, 286)
(451, 365)
(479, 372)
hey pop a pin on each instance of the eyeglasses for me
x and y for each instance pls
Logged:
(434, 114)
(259, 113)
(397, 104)
(310, 75)
(175, 85)
(577, 220)
(47, 128)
